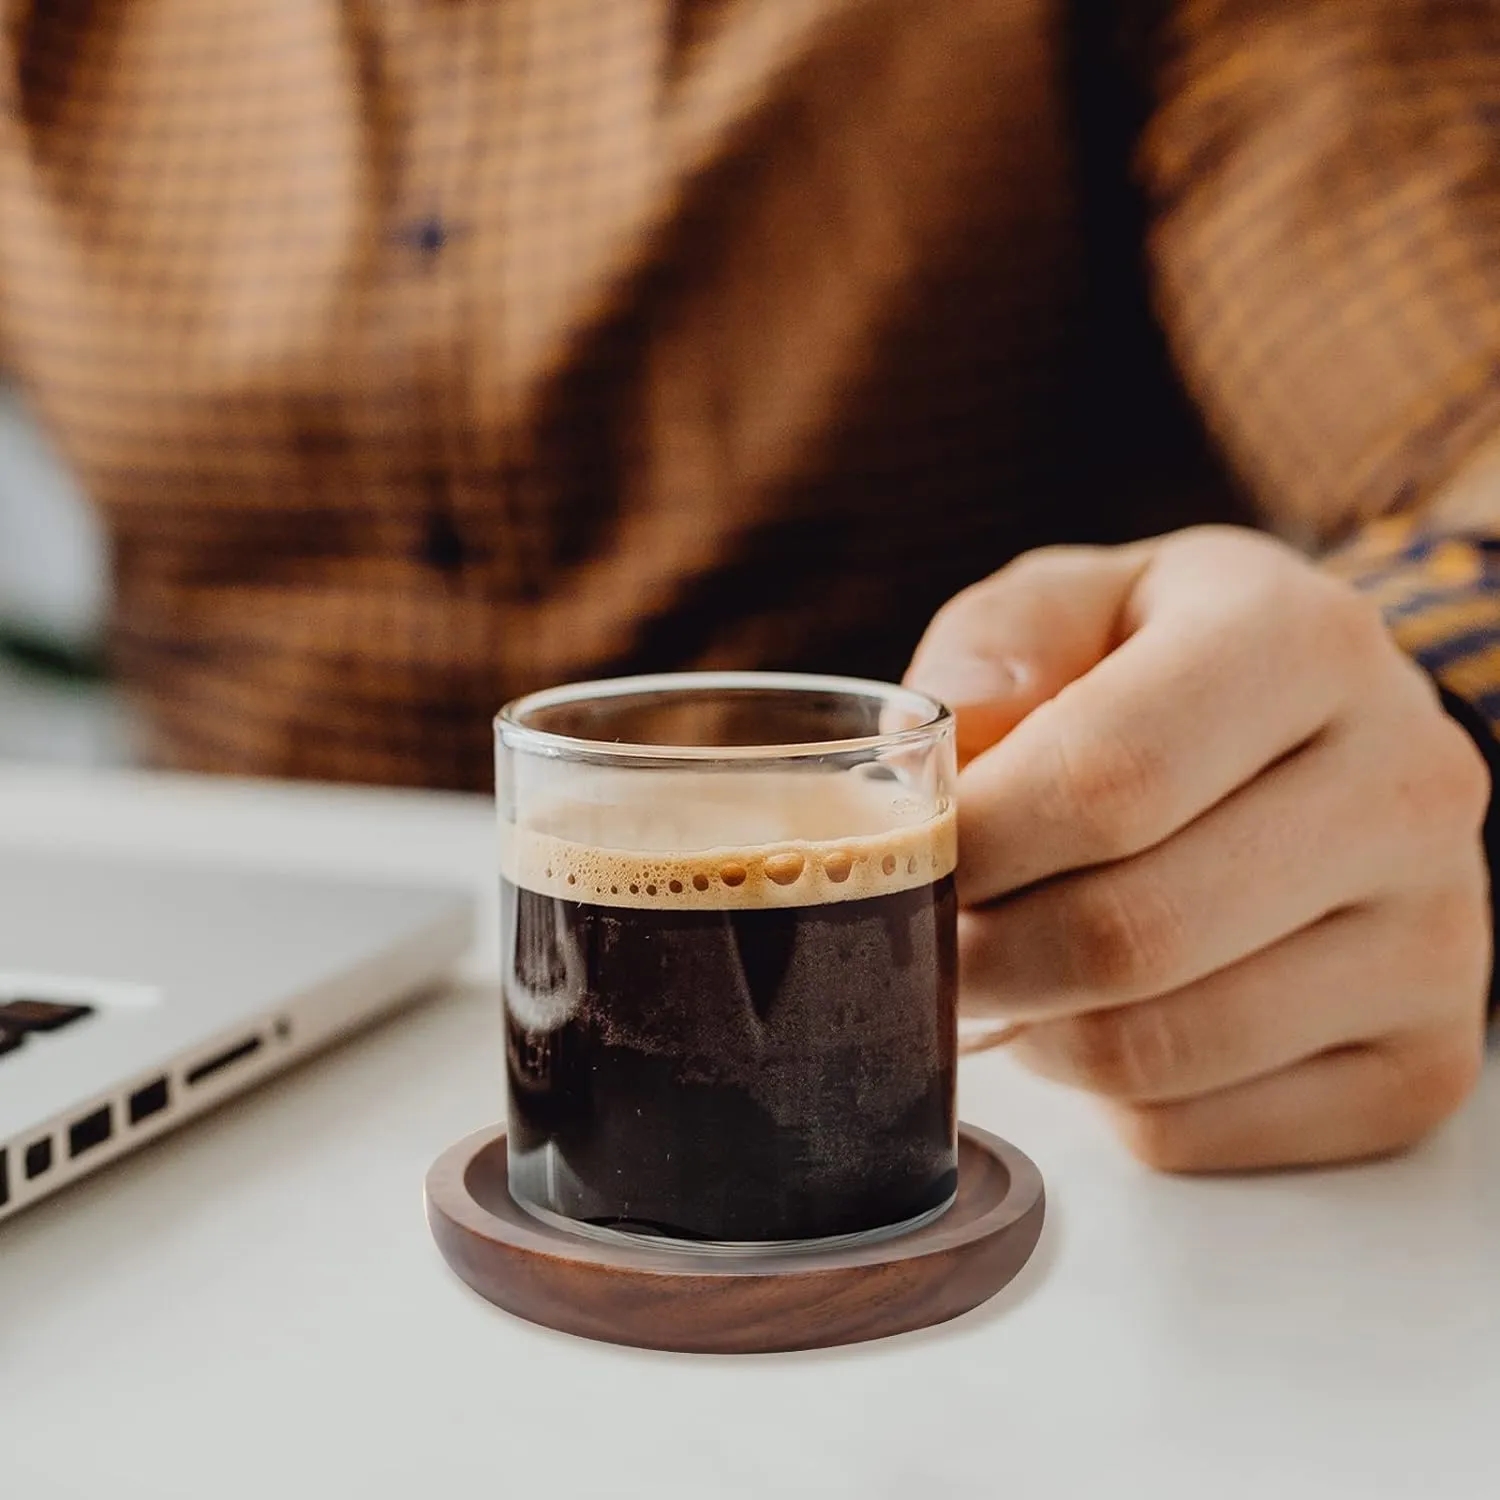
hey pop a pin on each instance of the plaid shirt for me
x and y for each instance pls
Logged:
(424, 352)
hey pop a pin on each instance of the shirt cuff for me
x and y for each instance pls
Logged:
(1440, 595)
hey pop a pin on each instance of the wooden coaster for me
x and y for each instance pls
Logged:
(673, 1299)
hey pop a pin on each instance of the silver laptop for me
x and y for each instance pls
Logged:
(134, 996)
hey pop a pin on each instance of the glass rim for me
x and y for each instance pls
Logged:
(515, 734)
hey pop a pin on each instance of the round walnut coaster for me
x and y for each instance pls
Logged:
(674, 1299)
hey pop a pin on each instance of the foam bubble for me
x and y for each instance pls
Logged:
(824, 838)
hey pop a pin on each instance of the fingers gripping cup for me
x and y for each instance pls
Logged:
(728, 929)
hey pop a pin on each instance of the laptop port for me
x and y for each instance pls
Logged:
(209, 1066)
(4, 1181)
(38, 1157)
(150, 1099)
(92, 1130)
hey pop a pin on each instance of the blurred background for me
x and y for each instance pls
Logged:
(54, 702)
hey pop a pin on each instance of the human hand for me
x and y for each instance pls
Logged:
(1220, 852)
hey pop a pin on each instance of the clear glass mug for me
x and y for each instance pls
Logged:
(729, 953)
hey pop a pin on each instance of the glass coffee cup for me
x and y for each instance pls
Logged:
(729, 959)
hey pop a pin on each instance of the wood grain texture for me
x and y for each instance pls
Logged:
(672, 1299)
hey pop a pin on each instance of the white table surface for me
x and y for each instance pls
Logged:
(253, 1307)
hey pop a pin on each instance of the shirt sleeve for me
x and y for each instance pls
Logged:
(1440, 594)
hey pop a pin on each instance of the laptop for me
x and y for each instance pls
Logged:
(134, 996)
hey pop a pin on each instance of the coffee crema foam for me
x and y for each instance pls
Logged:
(670, 853)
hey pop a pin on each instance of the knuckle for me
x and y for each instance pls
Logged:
(1442, 786)
(1464, 776)
(1454, 947)
(1044, 562)
(1124, 936)
(960, 608)
(1430, 1079)
(973, 604)
(1108, 788)
(1255, 571)
(1231, 550)
(977, 970)
(958, 618)
(968, 613)
(1309, 617)
(1135, 1053)
(1451, 1075)
(1159, 1137)
(1342, 626)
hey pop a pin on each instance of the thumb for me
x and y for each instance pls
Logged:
(999, 649)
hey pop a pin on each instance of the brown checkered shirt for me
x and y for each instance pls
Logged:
(421, 352)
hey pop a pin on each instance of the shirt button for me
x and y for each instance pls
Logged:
(425, 237)
(442, 547)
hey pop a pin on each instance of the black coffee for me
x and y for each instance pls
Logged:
(694, 1051)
